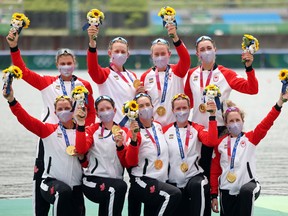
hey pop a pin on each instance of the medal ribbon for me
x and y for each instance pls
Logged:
(207, 81)
(165, 87)
(102, 131)
(232, 158)
(63, 86)
(121, 75)
(64, 134)
(156, 139)
(182, 154)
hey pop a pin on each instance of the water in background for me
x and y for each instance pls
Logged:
(18, 146)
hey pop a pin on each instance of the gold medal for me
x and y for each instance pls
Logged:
(202, 107)
(161, 111)
(70, 150)
(158, 164)
(231, 177)
(115, 129)
(136, 83)
(184, 167)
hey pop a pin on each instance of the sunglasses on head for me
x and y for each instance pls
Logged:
(231, 109)
(104, 97)
(161, 41)
(202, 38)
(65, 51)
(119, 39)
(142, 95)
(181, 95)
(62, 97)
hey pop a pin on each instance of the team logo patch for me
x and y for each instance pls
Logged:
(171, 136)
(216, 78)
(190, 135)
(57, 87)
(243, 144)
(147, 136)
(195, 78)
(116, 77)
(100, 136)
(225, 146)
(151, 80)
(59, 135)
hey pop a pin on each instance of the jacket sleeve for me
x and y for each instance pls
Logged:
(132, 151)
(210, 137)
(96, 72)
(84, 138)
(182, 67)
(121, 151)
(263, 127)
(30, 123)
(37, 81)
(215, 172)
(91, 112)
(240, 84)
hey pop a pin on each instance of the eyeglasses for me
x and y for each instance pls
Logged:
(231, 109)
(65, 51)
(62, 97)
(119, 39)
(161, 41)
(203, 38)
(104, 97)
(180, 95)
(142, 95)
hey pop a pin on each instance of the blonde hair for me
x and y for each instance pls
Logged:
(229, 106)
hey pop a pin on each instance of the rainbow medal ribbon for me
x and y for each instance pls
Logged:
(9, 74)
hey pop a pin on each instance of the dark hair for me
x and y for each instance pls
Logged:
(104, 97)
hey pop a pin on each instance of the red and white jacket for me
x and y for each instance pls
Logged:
(105, 159)
(50, 88)
(58, 164)
(226, 80)
(198, 135)
(245, 159)
(110, 83)
(177, 73)
(141, 158)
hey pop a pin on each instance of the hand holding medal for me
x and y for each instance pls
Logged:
(9, 74)
(249, 44)
(18, 22)
(95, 17)
(212, 92)
(168, 16)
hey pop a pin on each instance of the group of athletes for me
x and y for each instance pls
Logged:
(167, 150)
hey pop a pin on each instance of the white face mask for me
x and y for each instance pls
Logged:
(182, 116)
(235, 128)
(161, 61)
(208, 56)
(119, 59)
(66, 70)
(146, 113)
(106, 116)
(65, 115)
